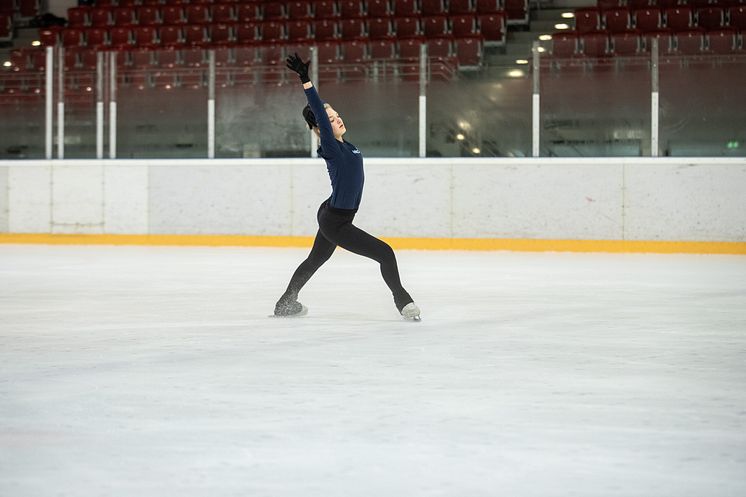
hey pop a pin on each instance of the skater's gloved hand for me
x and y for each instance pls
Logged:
(295, 63)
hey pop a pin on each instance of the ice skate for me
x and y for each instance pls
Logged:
(411, 311)
(289, 310)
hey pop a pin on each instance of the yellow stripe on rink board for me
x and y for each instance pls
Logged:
(484, 244)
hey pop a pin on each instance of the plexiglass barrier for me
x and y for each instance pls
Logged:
(168, 103)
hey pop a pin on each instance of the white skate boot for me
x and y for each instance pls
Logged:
(411, 311)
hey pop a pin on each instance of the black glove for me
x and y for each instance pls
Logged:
(295, 63)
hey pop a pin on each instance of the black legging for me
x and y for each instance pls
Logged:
(336, 229)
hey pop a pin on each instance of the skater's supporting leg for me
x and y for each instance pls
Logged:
(321, 251)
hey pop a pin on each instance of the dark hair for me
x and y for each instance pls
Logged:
(309, 117)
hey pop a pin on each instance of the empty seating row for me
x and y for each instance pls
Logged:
(21, 9)
(274, 11)
(679, 18)
(642, 4)
(490, 26)
(630, 43)
(464, 52)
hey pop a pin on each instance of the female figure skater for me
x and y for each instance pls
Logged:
(345, 165)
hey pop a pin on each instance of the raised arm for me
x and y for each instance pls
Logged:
(328, 142)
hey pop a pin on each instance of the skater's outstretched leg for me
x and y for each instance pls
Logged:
(321, 251)
(352, 238)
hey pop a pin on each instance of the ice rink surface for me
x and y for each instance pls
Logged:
(155, 372)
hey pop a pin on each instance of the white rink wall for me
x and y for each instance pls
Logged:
(666, 199)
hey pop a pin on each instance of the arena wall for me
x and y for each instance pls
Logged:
(436, 201)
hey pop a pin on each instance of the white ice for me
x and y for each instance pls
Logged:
(155, 371)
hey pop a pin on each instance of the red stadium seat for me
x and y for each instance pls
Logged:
(325, 9)
(382, 49)
(101, 16)
(124, 16)
(492, 27)
(128, 3)
(463, 25)
(433, 7)
(220, 33)
(145, 36)
(49, 36)
(564, 44)
(87, 58)
(489, 6)
(142, 58)
(679, 18)
(19, 59)
(195, 34)
(517, 11)
(73, 37)
(594, 44)
(409, 49)
(379, 28)
(625, 43)
(246, 55)
(325, 29)
(439, 48)
(78, 16)
(460, 7)
(72, 59)
(173, 14)
(617, 20)
(272, 31)
(168, 57)
(247, 32)
(468, 51)
(170, 35)
(223, 55)
(407, 27)
(223, 12)
(711, 18)
(148, 16)
(406, 8)
(353, 51)
(379, 8)
(723, 41)
(329, 51)
(121, 37)
(737, 16)
(247, 12)
(97, 37)
(647, 19)
(587, 20)
(690, 42)
(435, 27)
(197, 13)
(29, 8)
(352, 29)
(193, 56)
(299, 31)
(299, 10)
(351, 8)
(273, 11)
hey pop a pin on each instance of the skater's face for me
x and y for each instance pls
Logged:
(338, 126)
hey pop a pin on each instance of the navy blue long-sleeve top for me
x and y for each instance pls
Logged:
(344, 162)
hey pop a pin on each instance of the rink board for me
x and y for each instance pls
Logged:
(611, 205)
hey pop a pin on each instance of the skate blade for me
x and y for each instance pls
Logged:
(302, 312)
(416, 319)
